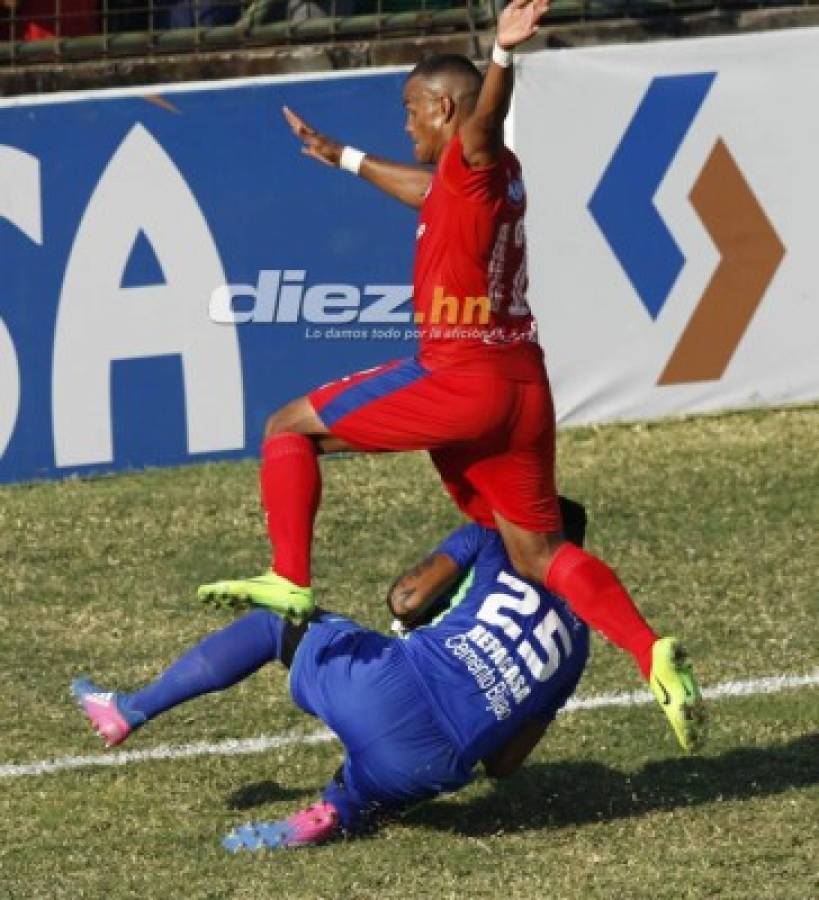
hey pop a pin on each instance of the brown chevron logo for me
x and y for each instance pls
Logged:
(751, 253)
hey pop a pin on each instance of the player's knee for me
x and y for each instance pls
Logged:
(296, 417)
(285, 419)
(274, 424)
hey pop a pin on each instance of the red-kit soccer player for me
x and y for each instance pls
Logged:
(477, 396)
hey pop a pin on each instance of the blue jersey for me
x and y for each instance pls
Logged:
(505, 651)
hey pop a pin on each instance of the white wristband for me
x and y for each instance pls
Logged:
(501, 57)
(351, 160)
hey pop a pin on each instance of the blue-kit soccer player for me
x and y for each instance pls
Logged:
(481, 680)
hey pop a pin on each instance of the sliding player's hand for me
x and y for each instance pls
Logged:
(315, 144)
(519, 21)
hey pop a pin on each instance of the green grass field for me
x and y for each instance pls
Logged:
(712, 521)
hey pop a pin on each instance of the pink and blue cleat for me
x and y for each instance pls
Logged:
(111, 719)
(311, 826)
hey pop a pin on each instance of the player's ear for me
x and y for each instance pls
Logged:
(447, 108)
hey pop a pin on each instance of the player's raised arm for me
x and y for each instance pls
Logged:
(406, 183)
(482, 132)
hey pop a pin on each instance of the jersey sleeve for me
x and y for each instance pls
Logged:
(462, 546)
(474, 183)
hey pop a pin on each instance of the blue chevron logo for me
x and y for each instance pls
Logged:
(623, 202)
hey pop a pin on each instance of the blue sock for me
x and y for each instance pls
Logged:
(356, 815)
(219, 661)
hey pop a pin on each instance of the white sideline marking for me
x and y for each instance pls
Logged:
(773, 684)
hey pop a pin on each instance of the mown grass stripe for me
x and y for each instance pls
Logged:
(771, 684)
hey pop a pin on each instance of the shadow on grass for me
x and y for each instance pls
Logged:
(563, 794)
(252, 795)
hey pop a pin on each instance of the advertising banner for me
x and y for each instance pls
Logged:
(174, 269)
(673, 211)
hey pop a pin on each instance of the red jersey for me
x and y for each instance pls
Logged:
(470, 277)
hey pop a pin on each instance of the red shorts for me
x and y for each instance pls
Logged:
(491, 439)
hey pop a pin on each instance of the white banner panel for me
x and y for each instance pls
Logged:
(673, 222)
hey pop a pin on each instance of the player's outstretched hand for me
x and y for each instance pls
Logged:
(315, 144)
(518, 22)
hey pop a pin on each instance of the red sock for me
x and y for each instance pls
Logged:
(291, 489)
(595, 594)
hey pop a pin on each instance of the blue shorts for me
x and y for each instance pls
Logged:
(359, 683)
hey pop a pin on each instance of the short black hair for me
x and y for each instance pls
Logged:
(574, 520)
(449, 64)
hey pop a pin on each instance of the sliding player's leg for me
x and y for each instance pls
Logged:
(219, 661)
(420, 764)
(360, 684)
(398, 754)
(341, 811)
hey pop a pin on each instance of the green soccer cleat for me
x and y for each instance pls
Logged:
(272, 591)
(675, 687)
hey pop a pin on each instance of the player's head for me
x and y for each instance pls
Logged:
(439, 94)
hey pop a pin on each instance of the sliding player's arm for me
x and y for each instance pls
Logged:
(414, 592)
(413, 596)
(510, 757)
(404, 182)
(482, 133)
